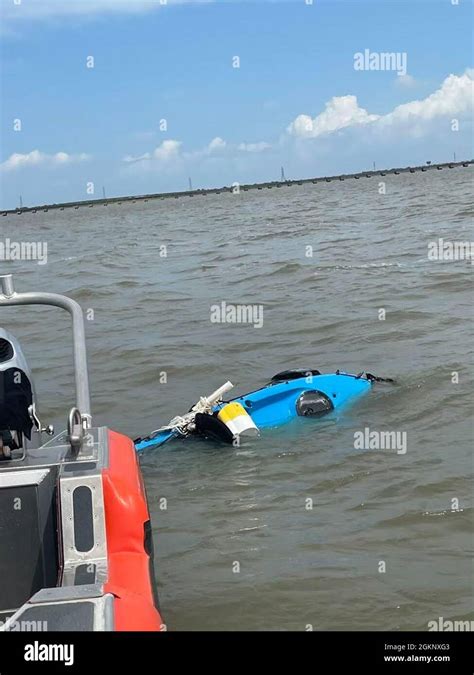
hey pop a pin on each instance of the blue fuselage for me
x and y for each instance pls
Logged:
(280, 401)
(275, 403)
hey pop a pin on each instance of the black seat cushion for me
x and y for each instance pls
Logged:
(16, 396)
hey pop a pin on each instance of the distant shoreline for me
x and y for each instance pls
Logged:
(237, 187)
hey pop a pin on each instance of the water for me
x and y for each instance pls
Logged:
(247, 507)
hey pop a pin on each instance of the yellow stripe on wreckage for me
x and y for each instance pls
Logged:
(237, 419)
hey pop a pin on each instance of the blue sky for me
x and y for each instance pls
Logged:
(296, 99)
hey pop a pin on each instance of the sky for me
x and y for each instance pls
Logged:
(136, 97)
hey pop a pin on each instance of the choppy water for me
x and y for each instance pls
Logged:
(248, 505)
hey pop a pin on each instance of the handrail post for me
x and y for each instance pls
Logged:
(6, 281)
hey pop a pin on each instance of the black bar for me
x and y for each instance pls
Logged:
(317, 652)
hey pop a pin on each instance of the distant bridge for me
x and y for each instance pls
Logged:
(236, 187)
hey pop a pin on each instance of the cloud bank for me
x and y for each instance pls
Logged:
(171, 150)
(340, 112)
(454, 97)
(36, 158)
(44, 9)
(452, 100)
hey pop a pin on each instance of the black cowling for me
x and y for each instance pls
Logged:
(6, 350)
(313, 404)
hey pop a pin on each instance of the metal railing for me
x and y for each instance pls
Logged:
(9, 297)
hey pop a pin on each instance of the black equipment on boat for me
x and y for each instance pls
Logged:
(17, 397)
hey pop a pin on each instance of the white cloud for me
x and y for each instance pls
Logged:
(216, 144)
(44, 9)
(215, 147)
(168, 150)
(172, 150)
(254, 147)
(340, 112)
(40, 9)
(454, 97)
(36, 158)
(405, 81)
